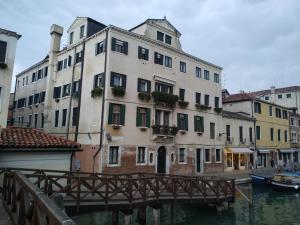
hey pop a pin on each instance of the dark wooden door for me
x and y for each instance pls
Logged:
(161, 160)
(198, 160)
(236, 161)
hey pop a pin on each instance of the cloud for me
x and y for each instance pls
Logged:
(257, 42)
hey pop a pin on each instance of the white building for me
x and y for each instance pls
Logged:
(8, 44)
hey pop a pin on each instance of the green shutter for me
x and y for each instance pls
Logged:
(138, 117)
(122, 119)
(147, 54)
(110, 109)
(186, 121)
(195, 123)
(148, 117)
(178, 119)
(113, 44)
(125, 45)
(124, 81)
(140, 52)
(201, 124)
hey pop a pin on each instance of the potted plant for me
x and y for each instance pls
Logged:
(183, 104)
(165, 98)
(118, 91)
(218, 110)
(3, 65)
(144, 96)
(96, 92)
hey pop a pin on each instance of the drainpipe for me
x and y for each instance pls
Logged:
(80, 85)
(103, 99)
(254, 136)
(12, 114)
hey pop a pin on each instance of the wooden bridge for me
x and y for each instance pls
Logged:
(106, 191)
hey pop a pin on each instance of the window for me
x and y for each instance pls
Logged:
(206, 74)
(30, 100)
(66, 90)
(3, 46)
(151, 158)
(279, 96)
(217, 102)
(71, 38)
(229, 159)
(212, 131)
(79, 57)
(182, 67)
(29, 120)
(98, 81)
(241, 134)
(242, 160)
(279, 134)
(168, 39)
(75, 116)
(278, 113)
(70, 61)
(82, 31)
(199, 124)
(182, 121)
(206, 100)
(181, 94)
(198, 98)
(162, 117)
(292, 121)
(113, 155)
(21, 103)
(163, 88)
(144, 85)
(100, 47)
(35, 120)
(65, 63)
(216, 78)
(182, 155)
(26, 80)
(286, 136)
(168, 61)
(160, 36)
(267, 98)
(23, 84)
(56, 118)
(158, 58)
(207, 155)
(33, 78)
(36, 98)
(227, 132)
(143, 117)
(198, 72)
(258, 132)
(119, 46)
(218, 155)
(116, 114)
(272, 134)
(75, 86)
(143, 53)
(59, 65)
(46, 71)
(42, 120)
(64, 118)
(257, 107)
(56, 92)
(118, 80)
(289, 95)
(270, 110)
(284, 114)
(141, 155)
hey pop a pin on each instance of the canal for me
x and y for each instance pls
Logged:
(269, 208)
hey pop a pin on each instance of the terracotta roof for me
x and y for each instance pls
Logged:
(237, 98)
(14, 137)
(277, 90)
(237, 115)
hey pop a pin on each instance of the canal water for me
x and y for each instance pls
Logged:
(270, 208)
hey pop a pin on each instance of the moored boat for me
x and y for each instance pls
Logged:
(260, 180)
(286, 182)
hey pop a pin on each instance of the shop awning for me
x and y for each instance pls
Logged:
(287, 150)
(296, 149)
(264, 150)
(239, 150)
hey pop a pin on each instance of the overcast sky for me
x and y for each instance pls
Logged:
(257, 42)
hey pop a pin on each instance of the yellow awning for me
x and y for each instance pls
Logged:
(238, 150)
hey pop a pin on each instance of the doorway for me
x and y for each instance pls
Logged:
(199, 160)
(161, 160)
(236, 161)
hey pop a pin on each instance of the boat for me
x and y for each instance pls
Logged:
(260, 179)
(286, 181)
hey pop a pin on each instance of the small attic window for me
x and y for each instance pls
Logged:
(168, 39)
(160, 36)
(82, 31)
(71, 38)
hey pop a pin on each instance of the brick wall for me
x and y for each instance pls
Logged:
(86, 158)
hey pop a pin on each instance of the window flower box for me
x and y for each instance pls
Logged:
(199, 133)
(116, 126)
(144, 96)
(203, 107)
(183, 104)
(165, 98)
(218, 110)
(143, 128)
(3, 65)
(96, 92)
(118, 91)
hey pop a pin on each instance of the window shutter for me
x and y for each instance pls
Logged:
(125, 45)
(3, 46)
(161, 60)
(70, 60)
(195, 123)
(96, 48)
(140, 52)
(201, 124)
(139, 85)
(149, 86)
(148, 117)
(178, 119)
(124, 82)
(113, 44)
(186, 121)
(147, 54)
(138, 117)
(155, 58)
(110, 109)
(111, 79)
(95, 81)
(122, 119)
(104, 45)
(59, 92)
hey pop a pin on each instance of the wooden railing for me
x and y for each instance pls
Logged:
(27, 204)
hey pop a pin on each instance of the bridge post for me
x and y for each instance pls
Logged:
(142, 215)
(115, 217)
(156, 215)
(128, 216)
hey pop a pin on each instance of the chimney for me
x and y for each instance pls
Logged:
(55, 32)
(272, 89)
(242, 92)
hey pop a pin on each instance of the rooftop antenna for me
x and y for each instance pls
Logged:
(165, 17)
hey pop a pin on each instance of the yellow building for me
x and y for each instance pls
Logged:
(272, 141)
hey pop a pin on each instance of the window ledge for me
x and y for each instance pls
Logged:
(182, 163)
(199, 133)
(143, 128)
(142, 164)
(182, 131)
(116, 126)
(208, 162)
(113, 165)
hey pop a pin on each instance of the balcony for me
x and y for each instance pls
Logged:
(163, 130)
(164, 99)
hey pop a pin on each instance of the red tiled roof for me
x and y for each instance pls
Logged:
(237, 98)
(14, 137)
(277, 90)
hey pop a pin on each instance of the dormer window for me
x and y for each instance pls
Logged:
(71, 38)
(3, 46)
(82, 31)
(160, 36)
(168, 39)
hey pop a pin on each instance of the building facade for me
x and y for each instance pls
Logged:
(8, 45)
(133, 99)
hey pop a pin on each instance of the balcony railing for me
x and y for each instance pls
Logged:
(164, 130)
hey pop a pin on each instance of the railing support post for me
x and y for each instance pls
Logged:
(142, 215)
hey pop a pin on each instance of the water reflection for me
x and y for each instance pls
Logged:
(269, 208)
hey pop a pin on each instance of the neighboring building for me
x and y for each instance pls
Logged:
(31, 148)
(127, 84)
(8, 45)
(271, 127)
(295, 135)
(239, 140)
(287, 96)
(10, 109)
